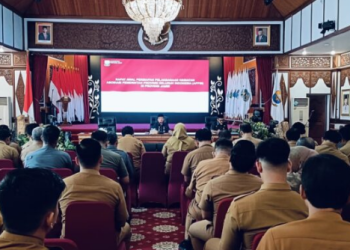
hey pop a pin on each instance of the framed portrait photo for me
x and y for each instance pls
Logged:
(261, 35)
(44, 33)
(344, 108)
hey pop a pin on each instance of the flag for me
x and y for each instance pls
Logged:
(28, 107)
(246, 94)
(55, 93)
(277, 112)
(228, 97)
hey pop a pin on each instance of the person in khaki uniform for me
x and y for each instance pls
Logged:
(246, 133)
(204, 152)
(204, 172)
(7, 152)
(89, 185)
(36, 144)
(345, 134)
(235, 182)
(329, 145)
(29, 207)
(130, 144)
(274, 204)
(325, 188)
(179, 141)
(29, 131)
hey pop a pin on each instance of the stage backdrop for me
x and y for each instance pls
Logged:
(215, 90)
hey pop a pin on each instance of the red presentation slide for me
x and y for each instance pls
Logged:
(144, 85)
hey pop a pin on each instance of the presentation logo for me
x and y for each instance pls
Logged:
(245, 94)
(276, 98)
(108, 63)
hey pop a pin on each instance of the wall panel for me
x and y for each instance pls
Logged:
(296, 30)
(344, 16)
(7, 26)
(288, 35)
(317, 17)
(306, 25)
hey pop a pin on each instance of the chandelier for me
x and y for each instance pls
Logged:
(153, 14)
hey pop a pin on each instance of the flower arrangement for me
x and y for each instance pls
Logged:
(260, 130)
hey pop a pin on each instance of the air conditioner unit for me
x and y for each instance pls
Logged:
(300, 111)
(6, 111)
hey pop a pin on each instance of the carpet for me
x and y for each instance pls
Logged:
(156, 229)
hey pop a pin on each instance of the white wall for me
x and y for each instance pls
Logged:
(7, 26)
(288, 35)
(18, 31)
(317, 17)
(344, 14)
(306, 25)
(331, 13)
(11, 28)
(296, 28)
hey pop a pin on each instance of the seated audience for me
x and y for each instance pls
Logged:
(307, 142)
(235, 182)
(29, 131)
(89, 185)
(325, 189)
(29, 207)
(204, 172)
(160, 125)
(7, 152)
(111, 159)
(179, 141)
(12, 144)
(246, 133)
(219, 125)
(36, 143)
(300, 127)
(224, 134)
(132, 145)
(204, 152)
(292, 135)
(274, 204)
(345, 134)
(329, 145)
(112, 146)
(48, 156)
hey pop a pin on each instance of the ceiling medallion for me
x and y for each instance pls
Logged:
(155, 16)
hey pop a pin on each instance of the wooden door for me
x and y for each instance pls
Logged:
(318, 119)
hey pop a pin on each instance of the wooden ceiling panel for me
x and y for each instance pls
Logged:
(193, 9)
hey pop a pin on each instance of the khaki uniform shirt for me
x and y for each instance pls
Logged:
(11, 241)
(248, 137)
(298, 156)
(292, 143)
(7, 152)
(34, 146)
(89, 185)
(322, 230)
(134, 146)
(329, 148)
(346, 149)
(229, 185)
(204, 172)
(27, 144)
(195, 157)
(272, 205)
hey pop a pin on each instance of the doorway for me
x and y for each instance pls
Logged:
(319, 116)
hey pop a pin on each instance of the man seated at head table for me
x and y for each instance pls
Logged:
(219, 125)
(246, 133)
(325, 189)
(111, 159)
(235, 182)
(161, 126)
(29, 207)
(274, 204)
(204, 152)
(89, 185)
(36, 144)
(48, 156)
(6, 151)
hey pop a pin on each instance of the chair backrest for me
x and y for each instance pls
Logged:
(63, 172)
(4, 171)
(72, 154)
(257, 239)
(152, 164)
(91, 225)
(6, 163)
(130, 156)
(64, 244)
(176, 166)
(254, 171)
(110, 173)
(220, 216)
(150, 147)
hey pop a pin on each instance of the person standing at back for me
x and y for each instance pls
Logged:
(246, 133)
(48, 156)
(325, 189)
(132, 145)
(204, 152)
(179, 141)
(274, 204)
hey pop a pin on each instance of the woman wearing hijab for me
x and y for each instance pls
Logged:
(179, 141)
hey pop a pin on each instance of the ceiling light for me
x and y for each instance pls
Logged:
(304, 52)
(332, 52)
(1, 49)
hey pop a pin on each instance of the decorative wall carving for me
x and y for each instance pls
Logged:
(345, 60)
(8, 74)
(125, 37)
(281, 62)
(20, 92)
(19, 59)
(325, 75)
(5, 59)
(94, 97)
(216, 95)
(304, 75)
(344, 73)
(320, 62)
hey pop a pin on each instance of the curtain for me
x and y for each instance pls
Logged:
(38, 80)
(229, 66)
(264, 68)
(81, 62)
